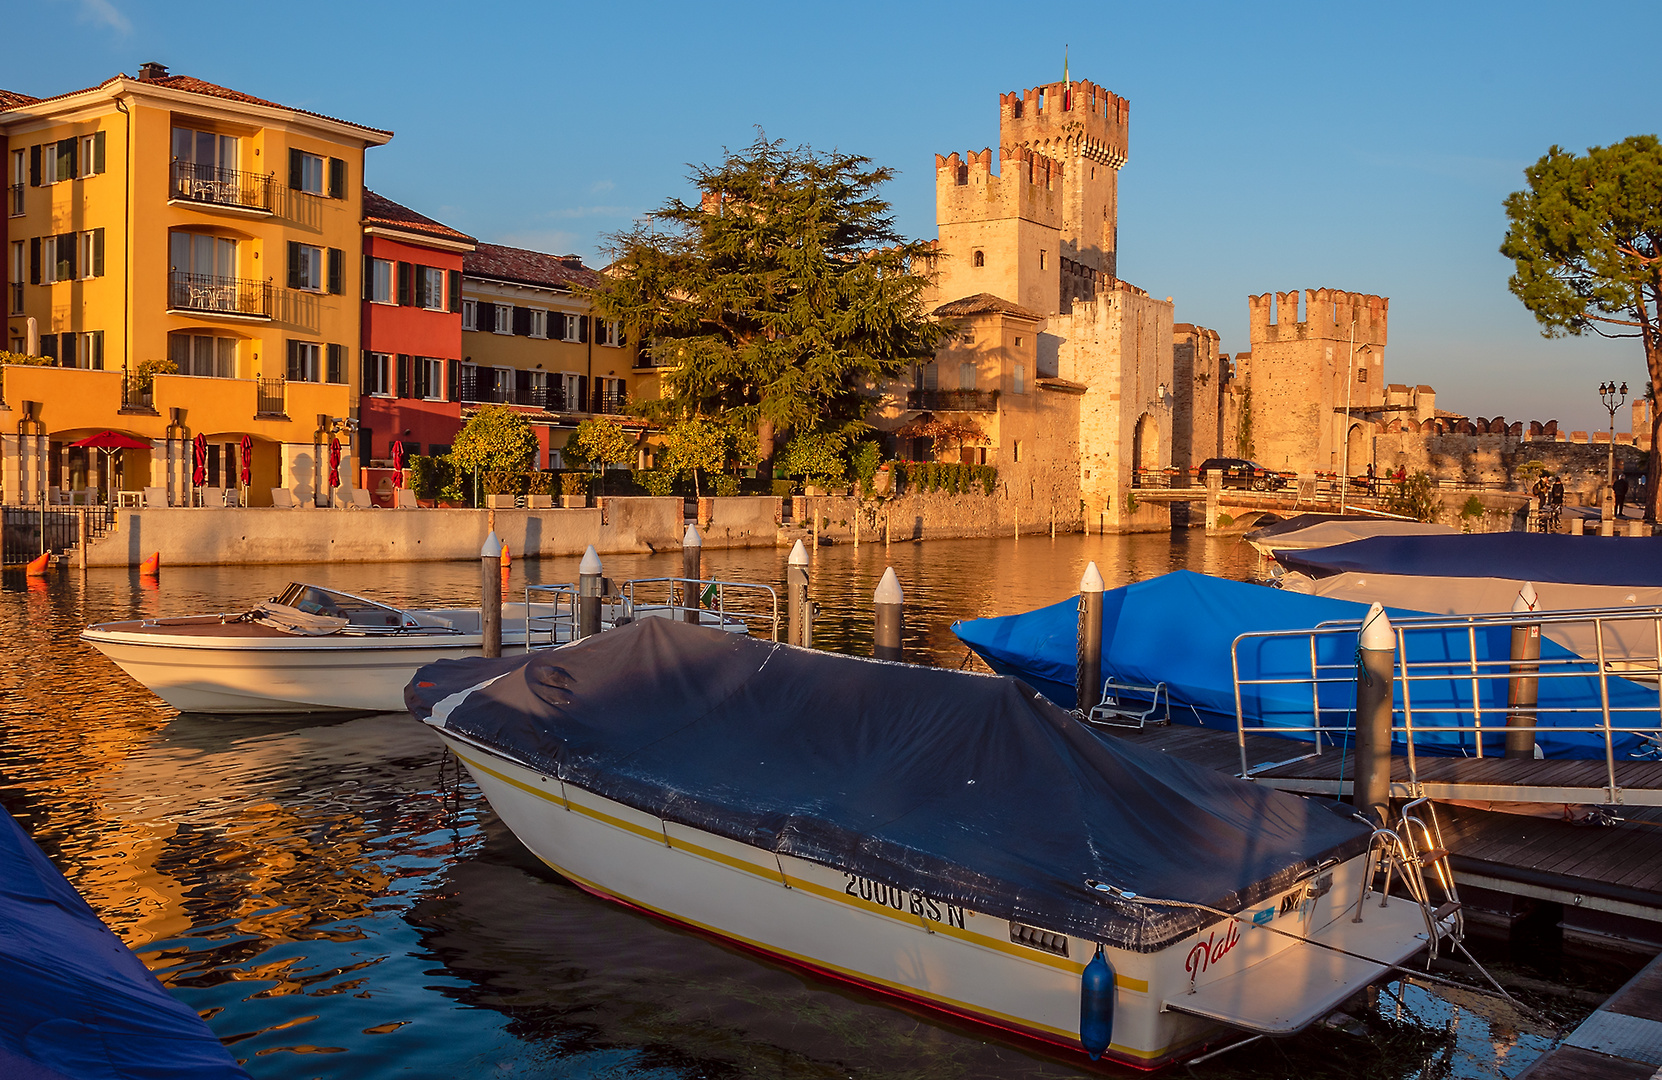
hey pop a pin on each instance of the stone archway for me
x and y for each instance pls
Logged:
(1356, 450)
(1145, 443)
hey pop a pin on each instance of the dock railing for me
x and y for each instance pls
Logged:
(752, 604)
(1625, 646)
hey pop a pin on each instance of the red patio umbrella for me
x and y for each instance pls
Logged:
(199, 475)
(247, 461)
(397, 463)
(111, 441)
(334, 463)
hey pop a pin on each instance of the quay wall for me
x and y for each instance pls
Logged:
(928, 516)
(264, 535)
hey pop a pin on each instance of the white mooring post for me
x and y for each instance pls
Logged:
(692, 548)
(799, 619)
(1523, 686)
(890, 617)
(588, 594)
(1088, 670)
(1375, 683)
(490, 595)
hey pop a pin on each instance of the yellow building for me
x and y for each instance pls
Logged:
(529, 341)
(167, 219)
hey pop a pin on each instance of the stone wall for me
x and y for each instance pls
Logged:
(931, 516)
(1496, 459)
(740, 521)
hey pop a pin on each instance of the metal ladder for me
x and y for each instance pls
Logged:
(1400, 851)
(1111, 711)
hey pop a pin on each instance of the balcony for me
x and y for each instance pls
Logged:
(224, 189)
(208, 294)
(952, 400)
(612, 403)
(14, 200)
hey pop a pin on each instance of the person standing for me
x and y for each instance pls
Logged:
(1620, 488)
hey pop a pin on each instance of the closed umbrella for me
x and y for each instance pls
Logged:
(334, 463)
(199, 475)
(247, 461)
(397, 464)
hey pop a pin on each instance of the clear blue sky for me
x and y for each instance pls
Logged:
(1362, 147)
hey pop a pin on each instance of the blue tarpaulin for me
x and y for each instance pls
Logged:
(1520, 556)
(74, 1001)
(1177, 629)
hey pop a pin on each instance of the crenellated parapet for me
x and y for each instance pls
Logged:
(1067, 120)
(1327, 314)
(1027, 185)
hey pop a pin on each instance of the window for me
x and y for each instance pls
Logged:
(201, 255)
(568, 393)
(306, 172)
(980, 258)
(380, 281)
(377, 374)
(539, 323)
(1041, 260)
(57, 259)
(504, 323)
(63, 160)
(20, 178)
(204, 354)
(966, 376)
(470, 314)
(609, 333)
(1361, 374)
(1018, 343)
(1015, 450)
(92, 253)
(429, 288)
(89, 350)
(429, 378)
(537, 383)
(569, 327)
(611, 395)
(502, 384)
(18, 269)
(931, 376)
(1018, 379)
(202, 159)
(92, 154)
(305, 361)
(305, 267)
(336, 372)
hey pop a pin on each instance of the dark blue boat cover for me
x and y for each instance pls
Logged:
(1177, 629)
(74, 1001)
(970, 789)
(1522, 556)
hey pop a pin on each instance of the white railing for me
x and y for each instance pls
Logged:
(1626, 646)
(751, 604)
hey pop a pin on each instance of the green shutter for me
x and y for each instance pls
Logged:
(95, 350)
(98, 152)
(296, 169)
(337, 271)
(98, 253)
(455, 290)
(406, 286)
(66, 256)
(337, 178)
(66, 159)
(34, 165)
(294, 278)
(34, 260)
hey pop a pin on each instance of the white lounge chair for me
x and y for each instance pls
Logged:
(407, 499)
(284, 499)
(361, 499)
(155, 497)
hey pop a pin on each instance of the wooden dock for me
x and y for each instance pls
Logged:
(1622, 1040)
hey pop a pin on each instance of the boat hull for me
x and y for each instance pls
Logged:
(907, 944)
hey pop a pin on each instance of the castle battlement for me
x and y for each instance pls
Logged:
(1328, 314)
(1067, 120)
(1028, 185)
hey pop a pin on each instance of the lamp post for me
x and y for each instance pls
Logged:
(1613, 397)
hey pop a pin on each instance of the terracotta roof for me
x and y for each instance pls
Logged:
(189, 85)
(380, 210)
(985, 304)
(528, 267)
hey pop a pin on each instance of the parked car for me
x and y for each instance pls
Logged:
(1241, 473)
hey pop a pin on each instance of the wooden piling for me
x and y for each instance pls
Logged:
(490, 596)
(889, 601)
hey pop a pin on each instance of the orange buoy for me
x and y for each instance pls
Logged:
(37, 567)
(150, 566)
(507, 558)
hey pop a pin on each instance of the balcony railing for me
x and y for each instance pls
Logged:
(218, 295)
(220, 187)
(138, 392)
(14, 201)
(269, 398)
(951, 400)
(613, 402)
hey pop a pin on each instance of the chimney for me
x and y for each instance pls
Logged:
(152, 72)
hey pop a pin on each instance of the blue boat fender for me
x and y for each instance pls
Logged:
(1096, 1005)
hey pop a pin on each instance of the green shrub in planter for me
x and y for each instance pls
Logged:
(574, 483)
(782, 489)
(504, 482)
(658, 482)
(541, 482)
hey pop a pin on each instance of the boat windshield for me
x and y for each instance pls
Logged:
(354, 609)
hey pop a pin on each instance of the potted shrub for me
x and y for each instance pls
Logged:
(574, 490)
(502, 489)
(539, 490)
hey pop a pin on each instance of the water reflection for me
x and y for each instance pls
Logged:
(339, 903)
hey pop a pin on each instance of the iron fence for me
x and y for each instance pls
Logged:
(29, 531)
(218, 295)
(221, 187)
(952, 400)
(138, 392)
(270, 397)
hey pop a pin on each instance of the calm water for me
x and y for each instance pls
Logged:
(337, 903)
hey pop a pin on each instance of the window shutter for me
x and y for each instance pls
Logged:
(337, 363)
(406, 286)
(337, 178)
(34, 166)
(522, 387)
(403, 362)
(294, 280)
(485, 317)
(95, 350)
(297, 169)
(98, 253)
(622, 336)
(582, 328)
(455, 290)
(34, 260)
(66, 159)
(364, 385)
(294, 356)
(369, 276)
(98, 152)
(49, 345)
(66, 256)
(454, 369)
(522, 321)
(337, 271)
(582, 393)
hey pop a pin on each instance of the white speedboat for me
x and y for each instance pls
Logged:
(947, 838)
(318, 650)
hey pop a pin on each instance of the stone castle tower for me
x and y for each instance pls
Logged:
(1043, 231)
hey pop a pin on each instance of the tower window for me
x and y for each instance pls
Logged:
(1041, 260)
(963, 175)
(980, 258)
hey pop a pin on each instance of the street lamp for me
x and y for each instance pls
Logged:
(1613, 398)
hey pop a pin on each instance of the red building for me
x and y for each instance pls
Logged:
(412, 335)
